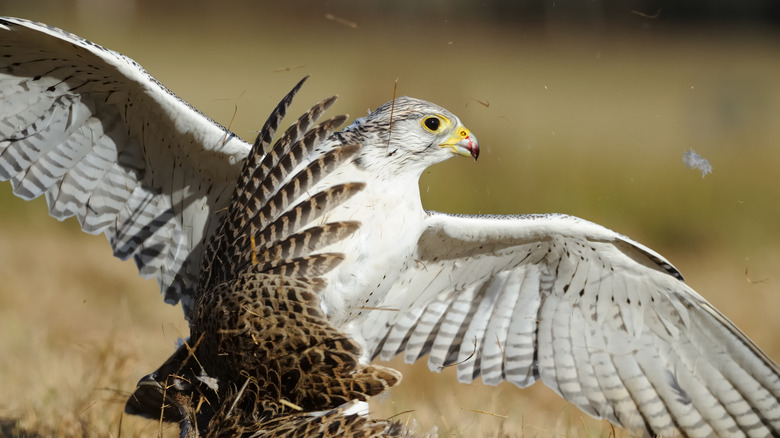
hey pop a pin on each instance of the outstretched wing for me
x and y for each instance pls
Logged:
(604, 321)
(107, 143)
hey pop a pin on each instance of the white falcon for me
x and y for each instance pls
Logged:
(606, 322)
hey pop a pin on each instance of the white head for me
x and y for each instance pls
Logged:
(408, 135)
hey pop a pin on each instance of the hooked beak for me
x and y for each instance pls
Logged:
(463, 143)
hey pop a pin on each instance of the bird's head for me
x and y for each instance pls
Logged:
(412, 133)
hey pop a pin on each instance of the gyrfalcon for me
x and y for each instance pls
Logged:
(605, 321)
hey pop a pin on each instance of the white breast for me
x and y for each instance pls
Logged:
(378, 251)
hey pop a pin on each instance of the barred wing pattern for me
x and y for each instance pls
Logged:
(262, 207)
(107, 143)
(604, 321)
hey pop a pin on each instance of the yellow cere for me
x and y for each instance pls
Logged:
(452, 142)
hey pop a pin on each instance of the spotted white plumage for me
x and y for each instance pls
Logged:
(606, 322)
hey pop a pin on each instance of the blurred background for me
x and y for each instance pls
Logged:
(583, 108)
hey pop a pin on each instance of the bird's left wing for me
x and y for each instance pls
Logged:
(606, 322)
(104, 141)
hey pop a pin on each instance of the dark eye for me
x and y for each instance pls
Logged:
(432, 123)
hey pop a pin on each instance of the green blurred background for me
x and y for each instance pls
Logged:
(584, 108)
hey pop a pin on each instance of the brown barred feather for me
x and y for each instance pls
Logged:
(261, 145)
(218, 263)
(262, 359)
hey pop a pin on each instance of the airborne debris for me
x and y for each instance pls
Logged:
(695, 161)
(340, 20)
(645, 15)
(284, 69)
(751, 281)
(486, 103)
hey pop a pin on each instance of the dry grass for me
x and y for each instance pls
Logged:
(76, 334)
(591, 126)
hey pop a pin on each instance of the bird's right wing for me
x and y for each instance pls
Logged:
(107, 143)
